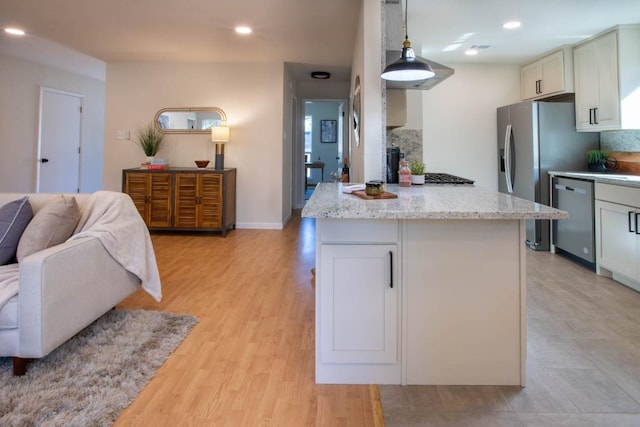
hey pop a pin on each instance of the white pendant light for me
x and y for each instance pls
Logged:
(408, 67)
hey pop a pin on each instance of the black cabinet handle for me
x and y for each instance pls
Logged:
(629, 215)
(590, 116)
(595, 115)
(637, 215)
(391, 269)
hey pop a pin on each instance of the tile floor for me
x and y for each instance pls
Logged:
(583, 361)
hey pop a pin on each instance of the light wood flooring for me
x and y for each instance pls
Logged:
(250, 360)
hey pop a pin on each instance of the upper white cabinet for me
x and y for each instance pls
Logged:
(550, 75)
(607, 81)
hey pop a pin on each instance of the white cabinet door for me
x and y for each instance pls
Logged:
(358, 304)
(617, 249)
(596, 80)
(530, 75)
(543, 77)
(608, 113)
(586, 77)
(552, 74)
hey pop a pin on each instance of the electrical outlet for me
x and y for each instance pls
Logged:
(122, 134)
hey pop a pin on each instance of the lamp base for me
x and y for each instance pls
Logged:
(219, 164)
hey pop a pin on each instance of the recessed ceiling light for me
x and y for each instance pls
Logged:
(14, 31)
(511, 25)
(471, 52)
(243, 30)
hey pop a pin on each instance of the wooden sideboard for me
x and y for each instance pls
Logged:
(189, 199)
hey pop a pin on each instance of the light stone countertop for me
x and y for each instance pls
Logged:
(425, 202)
(605, 178)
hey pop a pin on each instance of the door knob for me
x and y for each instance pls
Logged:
(43, 160)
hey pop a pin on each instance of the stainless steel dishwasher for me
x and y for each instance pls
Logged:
(575, 236)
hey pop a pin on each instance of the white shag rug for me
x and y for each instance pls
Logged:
(92, 377)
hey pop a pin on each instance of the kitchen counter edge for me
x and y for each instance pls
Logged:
(417, 202)
(617, 179)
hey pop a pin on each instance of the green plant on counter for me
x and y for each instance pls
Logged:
(597, 156)
(416, 167)
(150, 139)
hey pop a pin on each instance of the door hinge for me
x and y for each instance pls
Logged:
(81, 109)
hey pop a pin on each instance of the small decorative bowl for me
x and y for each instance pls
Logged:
(202, 163)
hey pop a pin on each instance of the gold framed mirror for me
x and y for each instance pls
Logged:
(189, 120)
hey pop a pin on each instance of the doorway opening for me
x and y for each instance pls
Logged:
(324, 150)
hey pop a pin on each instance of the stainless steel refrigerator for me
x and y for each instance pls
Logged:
(533, 139)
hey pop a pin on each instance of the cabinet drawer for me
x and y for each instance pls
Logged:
(620, 194)
(357, 230)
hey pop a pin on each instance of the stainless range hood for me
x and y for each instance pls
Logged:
(442, 72)
(393, 25)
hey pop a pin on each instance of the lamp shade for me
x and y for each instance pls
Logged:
(408, 67)
(220, 134)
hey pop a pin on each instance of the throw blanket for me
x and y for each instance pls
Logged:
(8, 282)
(112, 218)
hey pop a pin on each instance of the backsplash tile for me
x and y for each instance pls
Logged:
(408, 140)
(624, 140)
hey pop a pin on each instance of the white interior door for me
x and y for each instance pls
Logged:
(59, 147)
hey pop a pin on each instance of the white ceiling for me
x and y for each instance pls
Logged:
(309, 33)
(546, 24)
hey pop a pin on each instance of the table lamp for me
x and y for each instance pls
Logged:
(219, 135)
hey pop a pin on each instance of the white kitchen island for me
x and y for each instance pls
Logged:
(428, 288)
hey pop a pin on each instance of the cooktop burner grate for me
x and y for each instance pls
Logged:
(444, 178)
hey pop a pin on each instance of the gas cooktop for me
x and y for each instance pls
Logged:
(444, 178)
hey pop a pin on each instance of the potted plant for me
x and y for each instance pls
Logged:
(598, 160)
(150, 140)
(417, 172)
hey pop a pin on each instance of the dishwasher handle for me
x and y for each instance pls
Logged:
(567, 188)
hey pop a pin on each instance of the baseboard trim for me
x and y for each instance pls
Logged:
(259, 226)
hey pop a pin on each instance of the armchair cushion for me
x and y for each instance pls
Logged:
(14, 218)
(51, 225)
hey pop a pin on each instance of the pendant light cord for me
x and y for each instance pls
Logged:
(406, 25)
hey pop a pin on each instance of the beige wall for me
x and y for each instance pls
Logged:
(20, 83)
(250, 94)
(289, 130)
(459, 120)
(366, 159)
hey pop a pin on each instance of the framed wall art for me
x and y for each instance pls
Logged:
(328, 130)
